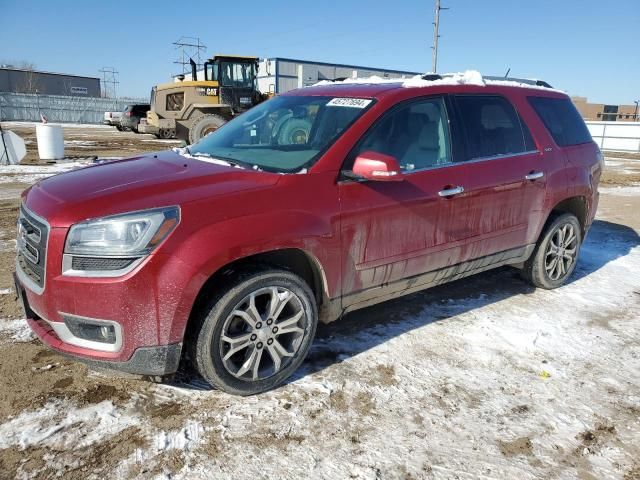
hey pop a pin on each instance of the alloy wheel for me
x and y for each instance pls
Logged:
(262, 333)
(561, 252)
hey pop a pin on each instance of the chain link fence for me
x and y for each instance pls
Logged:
(62, 109)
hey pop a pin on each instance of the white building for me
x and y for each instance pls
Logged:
(279, 75)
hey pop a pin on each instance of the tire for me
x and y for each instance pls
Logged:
(205, 125)
(120, 129)
(539, 269)
(167, 133)
(295, 131)
(232, 367)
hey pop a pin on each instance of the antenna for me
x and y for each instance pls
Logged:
(436, 36)
(507, 74)
(190, 48)
(109, 82)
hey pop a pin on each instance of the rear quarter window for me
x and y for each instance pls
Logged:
(562, 120)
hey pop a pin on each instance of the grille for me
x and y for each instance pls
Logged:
(98, 263)
(32, 246)
(239, 98)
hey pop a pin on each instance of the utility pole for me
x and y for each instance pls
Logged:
(109, 82)
(190, 47)
(635, 114)
(436, 36)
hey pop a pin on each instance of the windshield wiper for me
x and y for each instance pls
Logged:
(217, 160)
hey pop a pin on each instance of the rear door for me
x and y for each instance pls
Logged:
(394, 230)
(505, 190)
(573, 140)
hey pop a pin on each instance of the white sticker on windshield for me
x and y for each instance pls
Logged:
(349, 102)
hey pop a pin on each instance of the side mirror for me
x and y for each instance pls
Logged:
(377, 167)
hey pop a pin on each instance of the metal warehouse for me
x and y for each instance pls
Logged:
(279, 75)
(18, 80)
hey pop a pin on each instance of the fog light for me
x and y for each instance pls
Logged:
(92, 330)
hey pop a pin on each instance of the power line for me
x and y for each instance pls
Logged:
(109, 82)
(436, 36)
(190, 48)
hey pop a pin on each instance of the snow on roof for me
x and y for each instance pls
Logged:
(469, 77)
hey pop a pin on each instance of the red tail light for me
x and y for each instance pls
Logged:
(128, 114)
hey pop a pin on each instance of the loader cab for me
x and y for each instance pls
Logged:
(237, 80)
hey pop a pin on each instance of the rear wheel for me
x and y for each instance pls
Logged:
(166, 133)
(205, 125)
(556, 254)
(255, 335)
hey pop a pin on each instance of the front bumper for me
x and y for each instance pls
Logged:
(150, 360)
(147, 128)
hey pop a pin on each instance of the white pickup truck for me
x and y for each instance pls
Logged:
(113, 119)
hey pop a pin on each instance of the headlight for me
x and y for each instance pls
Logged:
(131, 234)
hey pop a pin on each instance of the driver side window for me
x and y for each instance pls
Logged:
(416, 134)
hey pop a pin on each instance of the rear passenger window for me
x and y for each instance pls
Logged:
(492, 126)
(562, 120)
(416, 134)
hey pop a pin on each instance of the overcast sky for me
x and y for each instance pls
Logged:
(586, 47)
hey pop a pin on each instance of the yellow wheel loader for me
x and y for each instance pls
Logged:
(191, 109)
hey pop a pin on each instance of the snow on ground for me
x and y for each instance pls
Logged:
(16, 331)
(483, 378)
(626, 191)
(9, 125)
(33, 173)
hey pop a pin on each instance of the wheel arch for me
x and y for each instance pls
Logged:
(295, 260)
(576, 205)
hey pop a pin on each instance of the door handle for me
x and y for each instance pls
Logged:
(534, 175)
(448, 192)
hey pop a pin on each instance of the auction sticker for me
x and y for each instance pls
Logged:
(349, 102)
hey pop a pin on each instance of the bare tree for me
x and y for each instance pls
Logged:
(30, 83)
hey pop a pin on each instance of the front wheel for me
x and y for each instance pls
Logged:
(205, 125)
(556, 254)
(254, 335)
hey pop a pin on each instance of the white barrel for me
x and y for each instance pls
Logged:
(50, 141)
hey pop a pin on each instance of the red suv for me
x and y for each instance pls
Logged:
(316, 203)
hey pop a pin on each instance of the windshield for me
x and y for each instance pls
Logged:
(284, 134)
(237, 74)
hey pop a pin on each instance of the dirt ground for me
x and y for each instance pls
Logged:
(482, 378)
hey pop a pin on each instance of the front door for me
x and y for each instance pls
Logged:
(395, 230)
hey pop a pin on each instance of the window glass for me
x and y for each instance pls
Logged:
(529, 144)
(416, 134)
(236, 74)
(284, 134)
(175, 101)
(562, 120)
(492, 126)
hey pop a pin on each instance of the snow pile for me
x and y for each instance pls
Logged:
(469, 77)
(16, 330)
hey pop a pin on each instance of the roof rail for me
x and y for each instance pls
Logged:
(431, 76)
(526, 81)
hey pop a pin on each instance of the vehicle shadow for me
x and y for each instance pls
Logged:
(364, 329)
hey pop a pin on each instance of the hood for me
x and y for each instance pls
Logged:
(149, 181)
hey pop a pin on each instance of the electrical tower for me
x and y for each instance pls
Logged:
(109, 82)
(436, 36)
(190, 48)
